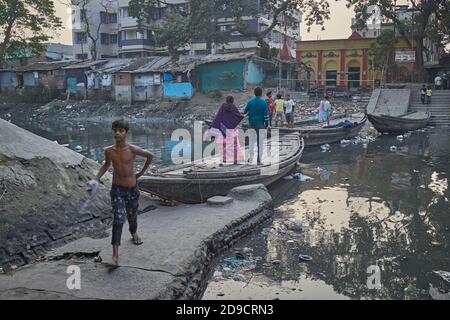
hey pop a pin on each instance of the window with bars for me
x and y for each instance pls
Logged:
(80, 37)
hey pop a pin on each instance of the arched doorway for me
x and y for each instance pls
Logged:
(354, 73)
(331, 71)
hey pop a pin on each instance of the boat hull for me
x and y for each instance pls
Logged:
(390, 124)
(198, 187)
(320, 136)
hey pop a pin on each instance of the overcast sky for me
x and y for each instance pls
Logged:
(338, 27)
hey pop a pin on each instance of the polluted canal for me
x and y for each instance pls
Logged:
(372, 222)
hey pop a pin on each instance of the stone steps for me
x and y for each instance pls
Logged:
(439, 107)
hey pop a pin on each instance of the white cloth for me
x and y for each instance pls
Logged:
(93, 188)
(289, 104)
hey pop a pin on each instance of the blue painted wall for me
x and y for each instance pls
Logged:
(6, 79)
(179, 90)
(29, 79)
(255, 74)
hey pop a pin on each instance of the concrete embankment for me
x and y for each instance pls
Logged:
(43, 187)
(180, 245)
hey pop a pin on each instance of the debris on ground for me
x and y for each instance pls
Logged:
(294, 224)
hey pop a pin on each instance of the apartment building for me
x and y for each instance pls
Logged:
(117, 33)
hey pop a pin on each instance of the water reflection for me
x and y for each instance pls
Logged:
(377, 207)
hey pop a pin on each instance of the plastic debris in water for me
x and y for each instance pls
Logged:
(436, 243)
(304, 257)
(301, 177)
(325, 147)
(288, 178)
(393, 148)
(443, 274)
(343, 141)
(78, 148)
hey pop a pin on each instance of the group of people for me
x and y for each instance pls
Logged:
(124, 192)
(281, 111)
(442, 81)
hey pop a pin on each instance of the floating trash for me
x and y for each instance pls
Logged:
(78, 148)
(436, 243)
(288, 178)
(443, 274)
(304, 257)
(301, 177)
(393, 148)
(343, 141)
(400, 137)
(325, 147)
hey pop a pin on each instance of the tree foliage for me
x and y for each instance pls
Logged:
(413, 30)
(25, 25)
(381, 52)
(199, 18)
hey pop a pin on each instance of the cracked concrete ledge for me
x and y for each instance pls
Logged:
(175, 262)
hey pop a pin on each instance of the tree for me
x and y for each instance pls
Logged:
(381, 53)
(26, 25)
(440, 25)
(413, 30)
(91, 23)
(201, 16)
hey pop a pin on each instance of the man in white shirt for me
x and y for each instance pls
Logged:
(438, 82)
(289, 110)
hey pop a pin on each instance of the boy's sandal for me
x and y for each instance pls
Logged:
(137, 241)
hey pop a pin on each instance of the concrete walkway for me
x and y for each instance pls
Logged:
(180, 244)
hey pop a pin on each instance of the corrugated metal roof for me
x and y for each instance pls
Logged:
(44, 66)
(113, 65)
(152, 65)
(86, 64)
(225, 57)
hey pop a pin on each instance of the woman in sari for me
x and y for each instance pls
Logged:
(325, 111)
(225, 123)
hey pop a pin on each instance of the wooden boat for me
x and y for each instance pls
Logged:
(197, 181)
(315, 135)
(400, 124)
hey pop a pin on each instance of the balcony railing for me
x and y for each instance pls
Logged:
(134, 42)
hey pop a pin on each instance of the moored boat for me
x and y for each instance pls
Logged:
(197, 181)
(399, 124)
(315, 135)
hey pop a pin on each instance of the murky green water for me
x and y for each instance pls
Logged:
(367, 206)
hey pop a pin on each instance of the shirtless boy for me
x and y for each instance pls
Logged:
(124, 192)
